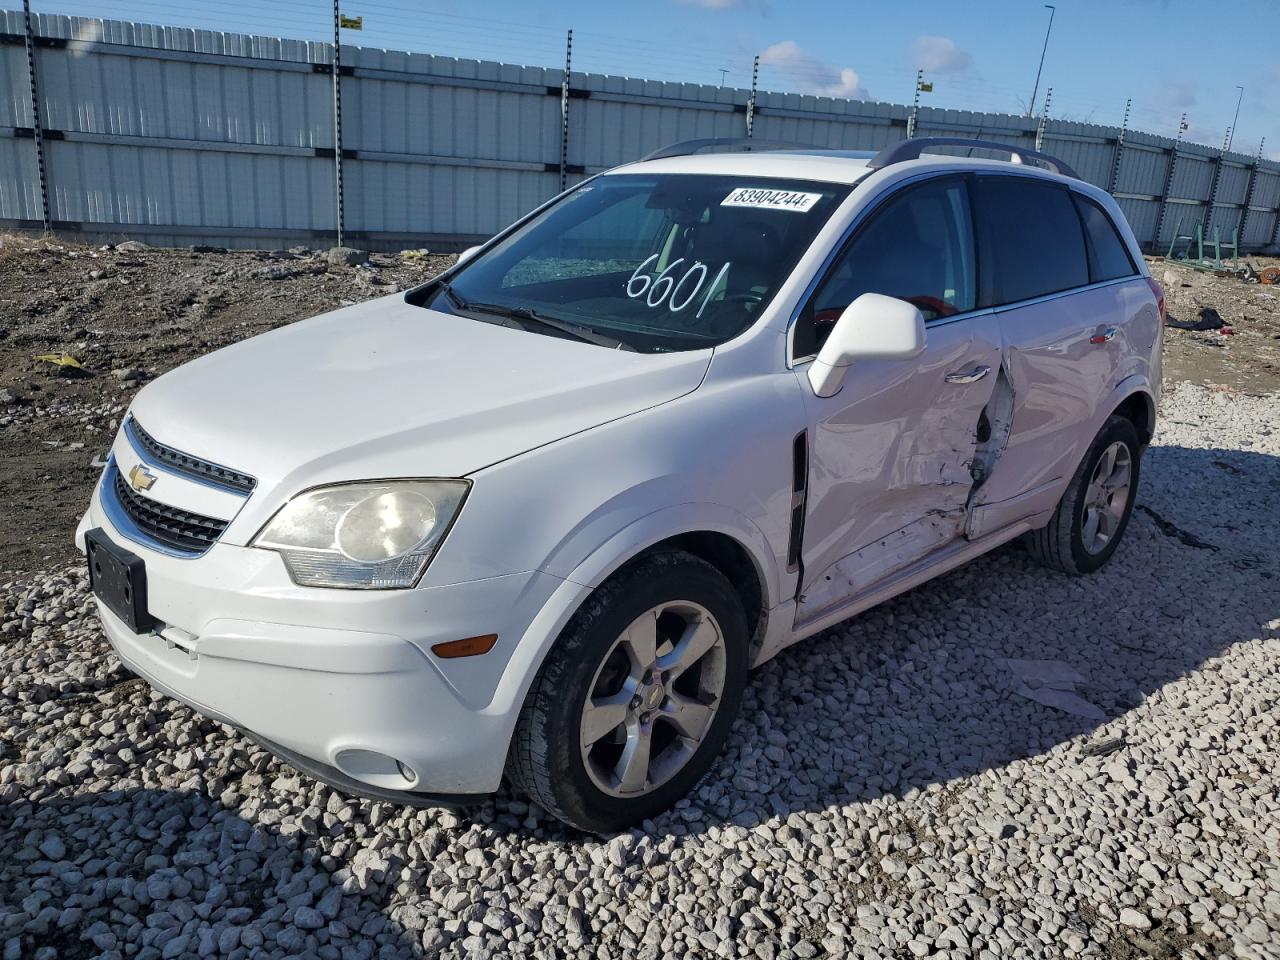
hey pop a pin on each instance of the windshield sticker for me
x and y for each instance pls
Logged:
(771, 199)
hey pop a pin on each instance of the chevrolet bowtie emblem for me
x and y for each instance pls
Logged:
(140, 478)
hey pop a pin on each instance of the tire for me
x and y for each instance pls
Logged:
(549, 759)
(1064, 544)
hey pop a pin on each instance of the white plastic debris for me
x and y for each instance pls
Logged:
(1053, 683)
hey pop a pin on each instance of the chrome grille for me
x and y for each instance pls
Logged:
(179, 530)
(184, 463)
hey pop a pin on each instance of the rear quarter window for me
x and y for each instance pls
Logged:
(1032, 241)
(1108, 256)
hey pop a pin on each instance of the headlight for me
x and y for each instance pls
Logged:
(366, 536)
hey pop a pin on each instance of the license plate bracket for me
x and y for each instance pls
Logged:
(119, 579)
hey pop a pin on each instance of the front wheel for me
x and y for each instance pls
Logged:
(634, 702)
(1094, 512)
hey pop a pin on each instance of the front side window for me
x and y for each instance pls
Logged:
(655, 263)
(1108, 257)
(1032, 242)
(918, 247)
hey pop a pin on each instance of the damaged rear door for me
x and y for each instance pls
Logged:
(895, 455)
(1064, 321)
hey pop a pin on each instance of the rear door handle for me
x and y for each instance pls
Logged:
(968, 376)
(1105, 335)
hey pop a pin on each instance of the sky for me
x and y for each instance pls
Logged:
(1168, 56)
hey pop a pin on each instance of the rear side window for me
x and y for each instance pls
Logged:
(1032, 241)
(1108, 257)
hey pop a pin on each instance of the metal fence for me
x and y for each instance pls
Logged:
(180, 136)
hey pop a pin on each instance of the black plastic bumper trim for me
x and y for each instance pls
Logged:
(344, 784)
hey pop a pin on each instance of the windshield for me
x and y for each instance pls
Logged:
(651, 263)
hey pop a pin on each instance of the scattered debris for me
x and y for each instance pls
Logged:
(1170, 529)
(1053, 683)
(1209, 320)
(1101, 748)
(59, 359)
(346, 256)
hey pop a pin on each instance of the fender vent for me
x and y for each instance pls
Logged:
(799, 489)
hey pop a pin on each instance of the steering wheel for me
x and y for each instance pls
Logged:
(925, 304)
(743, 298)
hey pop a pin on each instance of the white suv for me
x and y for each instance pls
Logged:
(540, 515)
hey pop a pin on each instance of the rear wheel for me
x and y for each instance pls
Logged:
(634, 702)
(1094, 512)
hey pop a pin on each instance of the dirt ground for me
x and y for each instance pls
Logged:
(1239, 348)
(129, 313)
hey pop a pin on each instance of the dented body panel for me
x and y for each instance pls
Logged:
(1061, 380)
(891, 464)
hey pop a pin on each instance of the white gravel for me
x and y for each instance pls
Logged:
(887, 792)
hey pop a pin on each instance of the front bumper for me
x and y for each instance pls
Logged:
(340, 682)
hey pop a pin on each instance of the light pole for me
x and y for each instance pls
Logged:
(1031, 104)
(1232, 133)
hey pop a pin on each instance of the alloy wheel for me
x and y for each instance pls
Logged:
(1107, 497)
(653, 699)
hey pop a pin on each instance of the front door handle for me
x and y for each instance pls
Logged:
(968, 376)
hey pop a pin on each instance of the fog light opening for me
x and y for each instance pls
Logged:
(406, 771)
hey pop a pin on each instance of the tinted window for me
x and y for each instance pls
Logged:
(1108, 257)
(1032, 241)
(917, 247)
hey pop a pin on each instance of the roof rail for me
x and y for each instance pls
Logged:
(911, 150)
(723, 145)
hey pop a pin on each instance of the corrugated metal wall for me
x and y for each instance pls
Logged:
(182, 136)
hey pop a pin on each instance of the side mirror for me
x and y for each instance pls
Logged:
(873, 327)
(468, 253)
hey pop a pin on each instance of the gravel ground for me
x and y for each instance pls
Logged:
(897, 787)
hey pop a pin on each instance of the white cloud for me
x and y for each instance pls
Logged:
(811, 74)
(940, 55)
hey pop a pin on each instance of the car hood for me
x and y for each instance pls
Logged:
(388, 389)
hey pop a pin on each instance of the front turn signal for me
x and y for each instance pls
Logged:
(470, 647)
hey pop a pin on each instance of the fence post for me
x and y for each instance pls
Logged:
(1044, 120)
(1213, 190)
(915, 107)
(564, 113)
(1248, 194)
(751, 100)
(38, 128)
(337, 118)
(1275, 229)
(1115, 167)
(1168, 184)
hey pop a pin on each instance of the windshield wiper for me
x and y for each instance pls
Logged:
(449, 292)
(525, 316)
